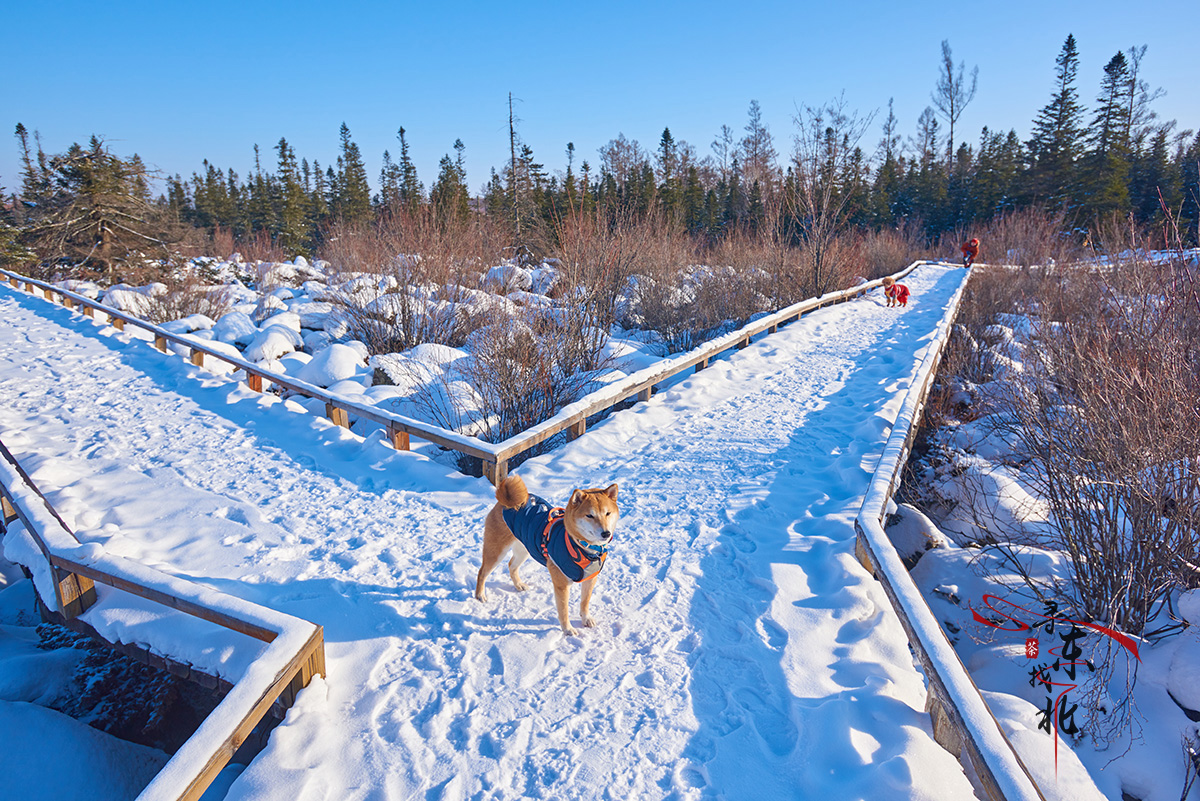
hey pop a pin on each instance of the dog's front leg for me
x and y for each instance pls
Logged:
(585, 598)
(562, 591)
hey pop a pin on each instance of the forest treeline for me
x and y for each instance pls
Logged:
(90, 208)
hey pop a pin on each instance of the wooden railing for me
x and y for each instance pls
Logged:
(962, 722)
(495, 457)
(295, 650)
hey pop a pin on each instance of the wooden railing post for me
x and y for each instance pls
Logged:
(160, 342)
(75, 593)
(399, 438)
(700, 365)
(575, 430)
(645, 394)
(495, 471)
(117, 323)
(197, 357)
(337, 415)
(89, 311)
(254, 381)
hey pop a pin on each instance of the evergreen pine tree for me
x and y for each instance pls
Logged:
(668, 162)
(757, 151)
(352, 202)
(260, 209)
(292, 233)
(1058, 133)
(389, 183)
(411, 192)
(449, 196)
(1107, 162)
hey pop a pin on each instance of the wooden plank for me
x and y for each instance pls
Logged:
(182, 604)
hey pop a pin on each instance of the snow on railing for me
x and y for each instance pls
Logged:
(495, 457)
(962, 722)
(65, 573)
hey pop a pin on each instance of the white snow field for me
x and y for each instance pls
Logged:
(740, 651)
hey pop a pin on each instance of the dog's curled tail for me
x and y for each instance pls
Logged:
(511, 493)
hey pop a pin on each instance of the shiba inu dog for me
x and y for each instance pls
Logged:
(572, 542)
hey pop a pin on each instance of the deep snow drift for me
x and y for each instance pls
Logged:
(741, 650)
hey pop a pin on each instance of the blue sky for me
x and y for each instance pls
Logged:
(178, 83)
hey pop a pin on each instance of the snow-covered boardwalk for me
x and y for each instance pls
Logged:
(741, 651)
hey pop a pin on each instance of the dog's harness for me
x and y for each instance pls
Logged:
(543, 532)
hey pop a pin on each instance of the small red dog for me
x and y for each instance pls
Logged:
(897, 294)
(970, 251)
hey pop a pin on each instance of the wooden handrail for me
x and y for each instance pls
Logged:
(495, 457)
(961, 720)
(295, 651)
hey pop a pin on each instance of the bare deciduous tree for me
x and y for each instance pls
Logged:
(952, 95)
(825, 144)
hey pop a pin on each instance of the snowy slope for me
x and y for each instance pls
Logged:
(741, 651)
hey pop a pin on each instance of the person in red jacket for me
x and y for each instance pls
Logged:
(897, 294)
(970, 251)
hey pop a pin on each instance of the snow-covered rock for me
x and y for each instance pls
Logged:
(316, 340)
(337, 325)
(1189, 606)
(268, 305)
(271, 343)
(283, 319)
(544, 278)
(312, 314)
(331, 365)
(235, 328)
(347, 388)
(1183, 679)
(508, 278)
(137, 301)
(193, 322)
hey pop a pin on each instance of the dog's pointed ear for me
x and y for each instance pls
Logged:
(611, 491)
(576, 497)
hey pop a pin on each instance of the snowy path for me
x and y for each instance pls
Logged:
(741, 651)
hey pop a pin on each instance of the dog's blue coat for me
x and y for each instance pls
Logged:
(529, 525)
